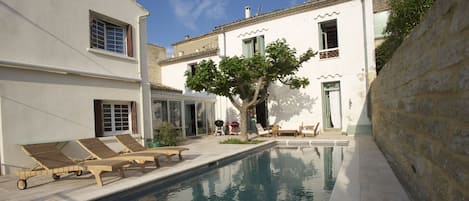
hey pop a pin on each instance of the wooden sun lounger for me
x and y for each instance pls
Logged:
(310, 130)
(101, 151)
(133, 146)
(51, 161)
(261, 131)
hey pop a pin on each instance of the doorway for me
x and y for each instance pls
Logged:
(189, 108)
(261, 114)
(332, 107)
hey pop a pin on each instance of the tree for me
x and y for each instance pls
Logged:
(245, 81)
(405, 15)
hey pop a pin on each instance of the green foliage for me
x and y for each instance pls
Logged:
(404, 16)
(168, 135)
(242, 76)
(245, 80)
(239, 141)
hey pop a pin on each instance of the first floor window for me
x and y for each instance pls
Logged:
(114, 117)
(328, 39)
(252, 46)
(110, 35)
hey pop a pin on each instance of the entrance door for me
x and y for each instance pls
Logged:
(332, 112)
(189, 108)
(261, 114)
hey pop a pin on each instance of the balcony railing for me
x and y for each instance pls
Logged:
(329, 53)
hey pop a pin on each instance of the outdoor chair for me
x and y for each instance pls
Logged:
(310, 130)
(100, 150)
(51, 161)
(133, 146)
(261, 131)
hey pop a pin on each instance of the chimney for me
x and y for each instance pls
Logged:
(187, 37)
(247, 12)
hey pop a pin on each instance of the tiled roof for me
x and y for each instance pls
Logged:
(161, 87)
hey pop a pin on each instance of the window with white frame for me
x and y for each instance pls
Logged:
(114, 118)
(110, 35)
(252, 46)
(328, 39)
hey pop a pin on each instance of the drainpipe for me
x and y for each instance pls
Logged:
(365, 45)
(145, 92)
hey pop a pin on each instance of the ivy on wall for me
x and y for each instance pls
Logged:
(405, 15)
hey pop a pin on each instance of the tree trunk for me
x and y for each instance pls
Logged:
(243, 124)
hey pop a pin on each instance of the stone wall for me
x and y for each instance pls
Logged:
(420, 106)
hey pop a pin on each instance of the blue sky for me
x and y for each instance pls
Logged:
(171, 20)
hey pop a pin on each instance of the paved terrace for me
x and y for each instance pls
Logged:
(364, 176)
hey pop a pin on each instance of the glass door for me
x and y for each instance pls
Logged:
(332, 111)
(190, 118)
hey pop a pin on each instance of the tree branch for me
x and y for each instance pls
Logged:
(235, 103)
(259, 86)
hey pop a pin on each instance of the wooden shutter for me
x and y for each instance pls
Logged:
(98, 118)
(130, 49)
(133, 110)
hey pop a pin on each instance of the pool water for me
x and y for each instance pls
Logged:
(278, 173)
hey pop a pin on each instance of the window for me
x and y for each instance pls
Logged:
(113, 118)
(380, 21)
(110, 35)
(167, 111)
(328, 39)
(253, 46)
(192, 68)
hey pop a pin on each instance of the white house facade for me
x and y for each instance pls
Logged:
(340, 75)
(342, 32)
(192, 112)
(70, 70)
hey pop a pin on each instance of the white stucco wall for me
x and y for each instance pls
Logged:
(49, 77)
(173, 76)
(292, 108)
(36, 31)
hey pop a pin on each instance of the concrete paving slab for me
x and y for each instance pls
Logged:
(364, 175)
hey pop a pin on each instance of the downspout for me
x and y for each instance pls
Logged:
(365, 44)
(145, 92)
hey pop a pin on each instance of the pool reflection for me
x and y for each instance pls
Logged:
(292, 173)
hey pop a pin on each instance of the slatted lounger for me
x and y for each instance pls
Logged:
(133, 146)
(99, 150)
(310, 130)
(261, 131)
(51, 161)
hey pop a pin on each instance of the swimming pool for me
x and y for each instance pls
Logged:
(277, 173)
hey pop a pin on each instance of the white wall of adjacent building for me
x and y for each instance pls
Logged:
(50, 77)
(291, 108)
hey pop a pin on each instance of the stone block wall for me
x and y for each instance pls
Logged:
(420, 106)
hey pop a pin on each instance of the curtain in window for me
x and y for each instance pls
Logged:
(334, 101)
(261, 45)
(248, 48)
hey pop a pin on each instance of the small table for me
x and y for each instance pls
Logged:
(289, 132)
(277, 132)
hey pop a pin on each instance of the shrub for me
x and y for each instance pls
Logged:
(168, 135)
